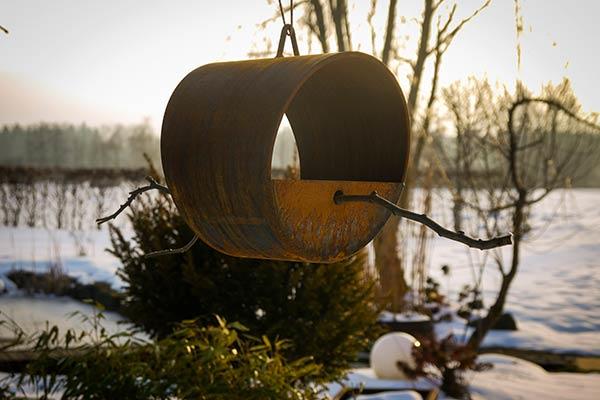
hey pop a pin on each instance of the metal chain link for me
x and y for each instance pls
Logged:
(287, 30)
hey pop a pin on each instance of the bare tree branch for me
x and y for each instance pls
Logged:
(513, 135)
(406, 60)
(370, 16)
(320, 28)
(339, 15)
(153, 185)
(3, 29)
(437, 5)
(428, 110)
(374, 198)
(422, 55)
(389, 32)
(167, 252)
(447, 38)
(443, 29)
(347, 26)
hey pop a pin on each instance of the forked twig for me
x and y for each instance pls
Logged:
(178, 250)
(153, 185)
(339, 197)
(132, 195)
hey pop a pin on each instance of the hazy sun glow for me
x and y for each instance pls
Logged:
(118, 61)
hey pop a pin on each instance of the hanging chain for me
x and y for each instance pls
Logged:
(283, 12)
(287, 30)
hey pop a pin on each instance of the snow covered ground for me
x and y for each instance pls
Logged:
(513, 378)
(555, 297)
(509, 378)
(35, 249)
(32, 314)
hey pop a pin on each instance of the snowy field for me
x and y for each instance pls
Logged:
(555, 297)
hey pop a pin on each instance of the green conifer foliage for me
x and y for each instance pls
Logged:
(327, 311)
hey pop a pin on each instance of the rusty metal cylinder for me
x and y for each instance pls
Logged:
(351, 126)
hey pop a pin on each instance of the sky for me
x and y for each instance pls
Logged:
(118, 61)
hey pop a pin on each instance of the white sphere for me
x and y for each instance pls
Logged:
(390, 349)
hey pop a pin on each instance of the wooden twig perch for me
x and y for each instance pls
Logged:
(3, 29)
(132, 195)
(339, 197)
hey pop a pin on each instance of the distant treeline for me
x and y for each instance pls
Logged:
(78, 146)
(96, 177)
(49, 151)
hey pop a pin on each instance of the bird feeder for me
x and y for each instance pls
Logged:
(351, 126)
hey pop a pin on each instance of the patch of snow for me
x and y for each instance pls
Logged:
(35, 313)
(531, 335)
(387, 316)
(513, 378)
(554, 297)
(6, 285)
(395, 395)
(37, 249)
(365, 378)
(510, 378)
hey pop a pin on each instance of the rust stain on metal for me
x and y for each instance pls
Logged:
(351, 126)
(317, 227)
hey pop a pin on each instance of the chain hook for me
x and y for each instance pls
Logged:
(287, 30)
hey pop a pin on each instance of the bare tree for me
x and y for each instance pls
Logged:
(515, 150)
(438, 27)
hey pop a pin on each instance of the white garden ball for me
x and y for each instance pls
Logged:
(390, 349)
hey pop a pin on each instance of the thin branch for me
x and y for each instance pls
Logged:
(370, 16)
(132, 195)
(422, 55)
(3, 29)
(442, 30)
(339, 197)
(347, 27)
(512, 135)
(173, 251)
(406, 60)
(533, 143)
(515, 148)
(321, 28)
(338, 14)
(389, 31)
(446, 39)
(437, 5)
